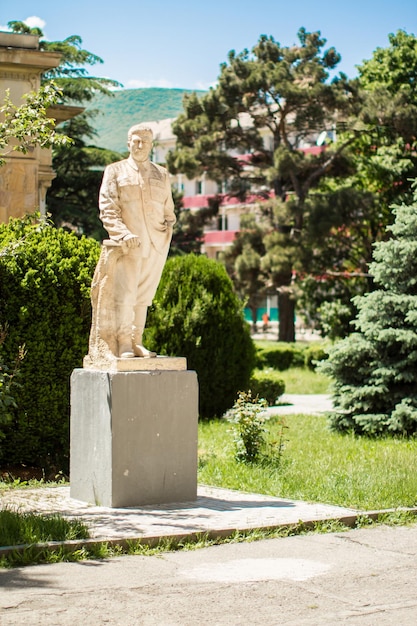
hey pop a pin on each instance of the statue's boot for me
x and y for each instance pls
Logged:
(140, 350)
(126, 349)
(138, 328)
(124, 316)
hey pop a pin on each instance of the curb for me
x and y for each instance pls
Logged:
(194, 537)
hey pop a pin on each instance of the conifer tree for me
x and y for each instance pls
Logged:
(375, 368)
(288, 90)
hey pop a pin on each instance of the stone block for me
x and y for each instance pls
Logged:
(133, 437)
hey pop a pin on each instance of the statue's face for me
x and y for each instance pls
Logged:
(140, 145)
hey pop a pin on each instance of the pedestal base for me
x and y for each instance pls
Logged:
(111, 363)
(133, 437)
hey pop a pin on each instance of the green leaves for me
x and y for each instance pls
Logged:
(8, 383)
(393, 67)
(28, 125)
(248, 414)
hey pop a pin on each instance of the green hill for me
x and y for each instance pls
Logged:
(132, 106)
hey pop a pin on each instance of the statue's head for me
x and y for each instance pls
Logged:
(139, 141)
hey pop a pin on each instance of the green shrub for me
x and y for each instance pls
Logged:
(284, 356)
(196, 314)
(45, 277)
(260, 362)
(8, 376)
(335, 319)
(267, 385)
(313, 354)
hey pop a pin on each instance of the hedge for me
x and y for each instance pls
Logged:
(267, 385)
(45, 277)
(196, 314)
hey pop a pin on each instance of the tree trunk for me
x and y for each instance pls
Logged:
(286, 307)
(254, 312)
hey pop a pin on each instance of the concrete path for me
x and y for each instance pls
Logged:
(312, 404)
(217, 511)
(364, 577)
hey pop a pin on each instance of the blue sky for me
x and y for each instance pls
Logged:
(181, 43)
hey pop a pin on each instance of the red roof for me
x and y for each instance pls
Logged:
(314, 149)
(196, 202)
(219, 237)
(200, 201)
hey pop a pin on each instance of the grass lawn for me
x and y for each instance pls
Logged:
(21, 528)
(301, 380)
(298, 380)
(317, 465)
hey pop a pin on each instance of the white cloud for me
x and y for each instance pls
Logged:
(34, 21)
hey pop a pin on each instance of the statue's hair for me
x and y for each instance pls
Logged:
(139, 127)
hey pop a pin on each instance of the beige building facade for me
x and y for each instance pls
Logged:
(25, 178)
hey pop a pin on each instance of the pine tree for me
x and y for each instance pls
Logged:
(375, 369)
(288, 90)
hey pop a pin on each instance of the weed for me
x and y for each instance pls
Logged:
(253, 445)
(249, 434)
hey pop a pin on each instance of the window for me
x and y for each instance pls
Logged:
(222, 222)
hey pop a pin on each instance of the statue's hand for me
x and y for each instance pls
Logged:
(131, 241)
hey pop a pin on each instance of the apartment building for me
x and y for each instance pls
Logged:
(198, 191)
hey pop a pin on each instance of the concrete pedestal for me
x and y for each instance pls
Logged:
(133, 437)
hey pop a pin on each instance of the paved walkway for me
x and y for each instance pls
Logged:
(364, 577)
(309, 403)
(217, 511)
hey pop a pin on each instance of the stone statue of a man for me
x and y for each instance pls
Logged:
(137, 210)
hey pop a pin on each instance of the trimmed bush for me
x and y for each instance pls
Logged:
(284, 356)
(196, 314)
(267, 385)
(45, 278)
